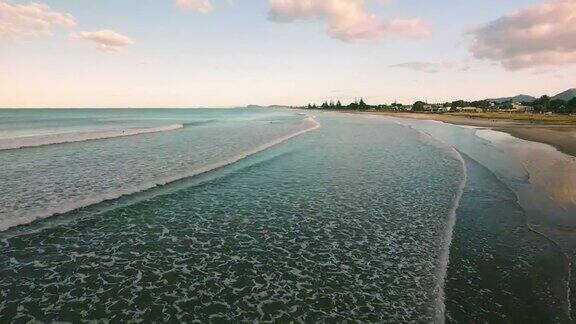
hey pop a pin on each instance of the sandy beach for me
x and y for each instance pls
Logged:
(561, 135)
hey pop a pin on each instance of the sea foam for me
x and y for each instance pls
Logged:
(49, 139)
(10, 220)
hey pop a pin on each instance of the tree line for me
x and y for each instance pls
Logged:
(543, 104)
(356, 105)
(546, 104)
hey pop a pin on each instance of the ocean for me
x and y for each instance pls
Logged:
(278, 215)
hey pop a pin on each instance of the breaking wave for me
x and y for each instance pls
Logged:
(50, 139)
(8, 221)
(446, 240)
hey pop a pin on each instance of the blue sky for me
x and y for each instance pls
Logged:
(235, 55)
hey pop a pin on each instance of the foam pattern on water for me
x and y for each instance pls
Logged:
(542, 180)
(345, 223)
(69, 137)
(40, 182)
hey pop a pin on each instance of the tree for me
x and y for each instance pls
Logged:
(460, 104)
(558, 106)
(338, 104)
(484, 104)
(418, 106)
(353, 105)
(325, 105)
(541, 104)
(571, 106)
(362, 104)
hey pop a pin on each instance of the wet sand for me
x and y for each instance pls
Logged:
(562, 136)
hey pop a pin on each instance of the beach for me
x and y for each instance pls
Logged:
(275, 215)
(560, 134)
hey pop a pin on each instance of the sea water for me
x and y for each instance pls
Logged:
(264, 215)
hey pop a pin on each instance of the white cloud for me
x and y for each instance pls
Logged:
(433, 67)
(105, 39)
(29, 20)
(346, 20)
(203, 6)
(539, 35)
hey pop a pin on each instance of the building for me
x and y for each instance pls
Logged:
(470, 109)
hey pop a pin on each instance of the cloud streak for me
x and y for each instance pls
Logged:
(203, 6)
(107, 40)
(17, 21)
(346, 20)
(427, 67)
(539, 35)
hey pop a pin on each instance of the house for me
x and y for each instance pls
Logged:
(471, 109)
(516, 107)
(440, 108)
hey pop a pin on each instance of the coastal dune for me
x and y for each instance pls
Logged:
(42, 140)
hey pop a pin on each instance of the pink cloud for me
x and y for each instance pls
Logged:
(30, 20)
(203, 6)
(106, 39)
(539, 35)
(346, 20)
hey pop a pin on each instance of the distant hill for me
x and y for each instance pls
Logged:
(566, 95)
(518, 98)
(271, 106)
(278, 106)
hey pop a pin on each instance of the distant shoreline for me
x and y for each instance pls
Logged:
(560, 134)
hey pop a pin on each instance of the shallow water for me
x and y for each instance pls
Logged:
(542, 182)
(350, 221)
(39, 182)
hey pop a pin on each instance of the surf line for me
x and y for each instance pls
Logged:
(444, 256)
(51, 139)
(30, 217)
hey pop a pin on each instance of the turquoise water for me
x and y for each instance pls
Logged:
(266, 215)
(42, 181)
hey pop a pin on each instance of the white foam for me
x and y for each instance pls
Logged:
(41, 213)
(42, 140)
(444, 257)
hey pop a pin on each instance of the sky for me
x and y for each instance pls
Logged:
(227, 53)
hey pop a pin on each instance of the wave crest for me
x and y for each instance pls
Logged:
(309, 123)
(50, 139)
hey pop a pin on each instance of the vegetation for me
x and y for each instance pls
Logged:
(356, 105)
(556, 119)
(419, 106)
(542, 105)
(546, 104)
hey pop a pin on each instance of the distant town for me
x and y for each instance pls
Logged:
(562, 103)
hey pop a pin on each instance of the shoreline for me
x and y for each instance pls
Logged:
(561, 136)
